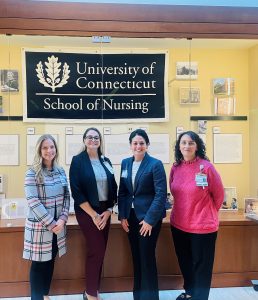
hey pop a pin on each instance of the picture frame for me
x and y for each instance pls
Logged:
(186, 70)
(223, 86)
(251, 206)
(189, 95)
(230, 199)
(224, 105)
(9, 80)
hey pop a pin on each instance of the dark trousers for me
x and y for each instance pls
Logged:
(195, 253)
(96, 246)
(144, 260)
(41, 273)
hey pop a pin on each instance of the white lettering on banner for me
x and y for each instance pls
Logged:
(82, 83)
(62, 105)
(111, 105)
(98, 104)
(84, 68)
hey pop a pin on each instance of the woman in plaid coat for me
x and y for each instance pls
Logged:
(48, 198)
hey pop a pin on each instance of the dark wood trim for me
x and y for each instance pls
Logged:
(219, 118)
(126, 20)
(11, 118)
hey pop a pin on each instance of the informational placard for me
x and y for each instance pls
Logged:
(73, 145)
(227, 148)
(31, 145)
(115, 86)
(9, 149)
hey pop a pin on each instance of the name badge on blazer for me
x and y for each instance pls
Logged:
(107, 165)
(124, 174)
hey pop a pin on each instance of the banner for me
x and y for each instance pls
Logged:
(88, 87)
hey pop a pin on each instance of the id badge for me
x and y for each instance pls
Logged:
(201, 180)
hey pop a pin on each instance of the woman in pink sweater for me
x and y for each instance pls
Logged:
(198, 194)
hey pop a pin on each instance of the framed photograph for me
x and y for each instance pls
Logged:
(9, 80)
(223, 86)
(224, 105)
(186, 70)
(230, 199)
(189, 95)
(251, 206)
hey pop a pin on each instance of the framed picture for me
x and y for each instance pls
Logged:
(224, 105)
(251, 205)
(9, 80)
(230, 199)
(186, 70)
(189, 95)
(224, 86)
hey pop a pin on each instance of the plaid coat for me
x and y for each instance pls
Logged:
(43, 200)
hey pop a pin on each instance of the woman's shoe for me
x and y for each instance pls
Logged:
(84, 296)
(184, 296)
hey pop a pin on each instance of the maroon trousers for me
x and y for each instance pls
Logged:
(96, 246)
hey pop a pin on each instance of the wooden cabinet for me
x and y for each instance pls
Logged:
(235, 260)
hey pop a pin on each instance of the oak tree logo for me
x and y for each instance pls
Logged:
(50, 76)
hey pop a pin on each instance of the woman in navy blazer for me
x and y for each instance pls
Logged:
(141, 205)
(94, 190)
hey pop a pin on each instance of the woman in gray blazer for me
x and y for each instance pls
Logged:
(47, 193)
(141, 205)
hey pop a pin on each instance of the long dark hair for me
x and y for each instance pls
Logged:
(100, 140)
(201, 149)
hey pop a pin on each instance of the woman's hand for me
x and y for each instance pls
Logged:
(145, 229)
(125, 225)
(59, 226)
(103, 219)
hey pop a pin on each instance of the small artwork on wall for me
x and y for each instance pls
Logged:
(223, 86)
(224, 105)
(189, 95)
(186, 70)
(9, 80)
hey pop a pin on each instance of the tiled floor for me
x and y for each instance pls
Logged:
(239, 293)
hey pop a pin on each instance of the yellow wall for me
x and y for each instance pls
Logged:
(240, 64)
(253, 88)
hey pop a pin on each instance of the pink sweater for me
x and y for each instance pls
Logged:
(195, 209)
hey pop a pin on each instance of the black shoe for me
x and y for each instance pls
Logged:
(183, 296)
(84, 296)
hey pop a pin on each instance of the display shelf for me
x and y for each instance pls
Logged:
(219, 118)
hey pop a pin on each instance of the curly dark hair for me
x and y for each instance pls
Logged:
(201, 149)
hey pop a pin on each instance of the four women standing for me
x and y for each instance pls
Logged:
(195, 185)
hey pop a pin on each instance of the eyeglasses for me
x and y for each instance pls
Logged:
(185, 143)
(91, 138)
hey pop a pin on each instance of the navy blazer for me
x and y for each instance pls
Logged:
(150, 190)
(83, 182)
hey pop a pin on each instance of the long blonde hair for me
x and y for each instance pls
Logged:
(37, 164)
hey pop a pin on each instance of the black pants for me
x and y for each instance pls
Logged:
(144, 260)
(41, 274)
(195, 253)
